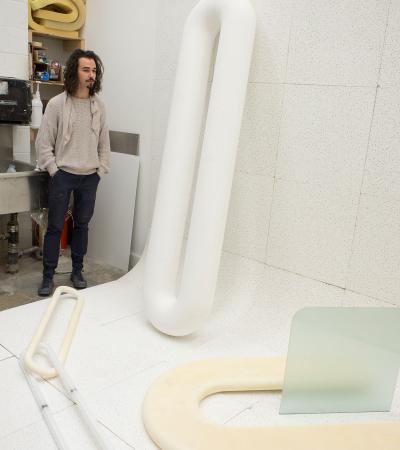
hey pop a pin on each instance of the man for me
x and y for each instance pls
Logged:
(74, 147)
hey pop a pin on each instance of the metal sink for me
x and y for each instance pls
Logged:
(24, 190)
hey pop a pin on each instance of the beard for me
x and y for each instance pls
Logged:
(92, 88)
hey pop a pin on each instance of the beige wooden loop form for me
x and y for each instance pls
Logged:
(62, 18)
(32, 349)
(173, 419)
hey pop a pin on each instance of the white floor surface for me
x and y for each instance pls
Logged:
(116, 355)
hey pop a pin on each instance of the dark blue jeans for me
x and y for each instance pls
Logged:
(84, 188)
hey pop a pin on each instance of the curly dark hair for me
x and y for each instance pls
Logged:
(71, 71)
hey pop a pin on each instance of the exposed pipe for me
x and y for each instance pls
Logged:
(26, 251)
(12, 236)
(13, 241)
(180, 308)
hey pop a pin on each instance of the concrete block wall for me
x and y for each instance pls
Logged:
(316, 189)
(14, 60)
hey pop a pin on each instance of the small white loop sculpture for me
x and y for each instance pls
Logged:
(37, 338)
(180, 307)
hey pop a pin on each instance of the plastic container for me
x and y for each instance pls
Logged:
(11, 168)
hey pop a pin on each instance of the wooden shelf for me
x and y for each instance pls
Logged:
(50, 83)
(51, 35)
(68, 45)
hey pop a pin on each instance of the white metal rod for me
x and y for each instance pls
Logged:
(43, 406)
(181, 308)
(74, 395)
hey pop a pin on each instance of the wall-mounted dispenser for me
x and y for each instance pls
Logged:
(15, 100)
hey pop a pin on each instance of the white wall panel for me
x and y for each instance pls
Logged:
(336, 42)
(390, 71)
(246, 231)
(123, 33)
(259, 137)
(110, 231)
(382, 171)
(311, 230)
(324, 135)
(375, 262)
(272, 40)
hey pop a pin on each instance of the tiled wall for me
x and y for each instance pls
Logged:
(317, 189)
(14, 61)
(14, 38)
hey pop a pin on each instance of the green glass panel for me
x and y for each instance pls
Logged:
(342, 360)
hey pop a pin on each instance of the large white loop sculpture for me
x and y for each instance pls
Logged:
(180, 307)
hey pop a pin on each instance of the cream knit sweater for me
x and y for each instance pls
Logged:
(74, 136)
